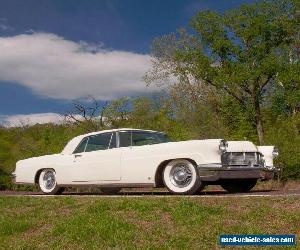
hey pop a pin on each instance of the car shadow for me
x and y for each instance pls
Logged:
(141, 193)
(163, 193)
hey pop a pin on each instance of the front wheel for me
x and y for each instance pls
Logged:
(47, 182)
(180, 177)
(238, 186)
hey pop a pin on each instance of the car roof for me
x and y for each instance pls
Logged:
(114, 130)
(72, 144)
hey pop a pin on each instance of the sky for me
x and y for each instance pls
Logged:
(53, 52)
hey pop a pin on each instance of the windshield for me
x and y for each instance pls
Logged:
(71, 145)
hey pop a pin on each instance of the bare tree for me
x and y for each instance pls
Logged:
(87, 113)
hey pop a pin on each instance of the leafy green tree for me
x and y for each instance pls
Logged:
(116, 112)
(287, 94)
(240, 53)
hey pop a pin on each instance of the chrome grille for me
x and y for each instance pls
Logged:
(241, 159)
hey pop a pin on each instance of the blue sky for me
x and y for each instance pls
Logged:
(54, 51)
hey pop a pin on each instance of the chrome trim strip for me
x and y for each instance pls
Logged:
(232, 168)
(122, 185)
(210, 165)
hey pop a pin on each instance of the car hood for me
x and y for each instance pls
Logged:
(241, 146)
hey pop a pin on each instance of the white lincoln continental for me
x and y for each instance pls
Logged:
(117, 158)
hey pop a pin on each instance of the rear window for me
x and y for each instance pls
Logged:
(125, 138)
(140, 138)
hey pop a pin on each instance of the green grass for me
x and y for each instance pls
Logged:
(140, 223)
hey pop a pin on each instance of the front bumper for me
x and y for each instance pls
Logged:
(214, 173)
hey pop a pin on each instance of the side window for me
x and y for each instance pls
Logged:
(144, 138)
(113, 141)
(80, 148)
(125, 138)
(98, 142)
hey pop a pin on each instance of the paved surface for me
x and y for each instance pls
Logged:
(217, 193)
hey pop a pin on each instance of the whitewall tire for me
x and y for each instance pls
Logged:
(180, 177)
(47, 182)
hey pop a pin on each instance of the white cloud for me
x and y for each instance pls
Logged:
(4, 26)
(31, 119)
(10, 121)
(62, 69)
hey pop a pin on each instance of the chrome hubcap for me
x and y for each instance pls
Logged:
(49, 180)
(181, 175)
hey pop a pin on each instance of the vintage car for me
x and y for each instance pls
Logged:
(117, 158)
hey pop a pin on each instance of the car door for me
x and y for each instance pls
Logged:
(139, 159)
(97, 159)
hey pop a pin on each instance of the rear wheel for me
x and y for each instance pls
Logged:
(180, 177)
(47, 182)
(110, 190)
(238, 186)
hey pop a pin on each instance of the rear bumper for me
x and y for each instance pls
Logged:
(213, 173)
(13, 177)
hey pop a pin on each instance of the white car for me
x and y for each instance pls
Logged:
(117, 158)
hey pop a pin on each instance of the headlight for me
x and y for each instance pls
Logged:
(275, 152)
(223, 145)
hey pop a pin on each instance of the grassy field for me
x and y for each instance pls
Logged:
(140, 223)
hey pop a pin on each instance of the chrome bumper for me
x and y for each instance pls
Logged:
(215, 173)
(13, 176)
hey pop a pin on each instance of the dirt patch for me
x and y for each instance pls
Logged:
(36, 231)
(286, 206)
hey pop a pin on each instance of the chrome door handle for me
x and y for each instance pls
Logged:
(77, 156)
